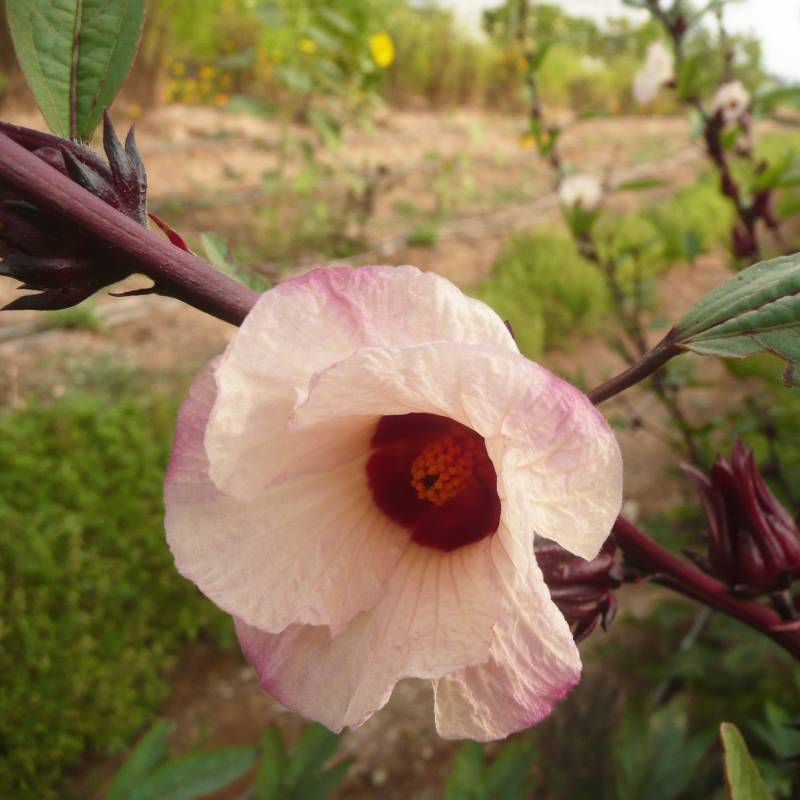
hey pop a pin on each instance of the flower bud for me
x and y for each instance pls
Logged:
(754, 544)
(61, 263)
(582, 590)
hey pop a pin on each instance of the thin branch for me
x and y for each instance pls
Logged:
(652, 361)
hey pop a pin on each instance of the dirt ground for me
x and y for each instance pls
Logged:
(202, 153)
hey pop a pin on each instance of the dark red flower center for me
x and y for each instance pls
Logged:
(433, 476)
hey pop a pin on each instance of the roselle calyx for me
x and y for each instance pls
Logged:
(754, 544)
(62, 264)
(582, 590)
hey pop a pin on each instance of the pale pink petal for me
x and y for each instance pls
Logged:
(558, 463)
(305, 325)
(436, 616)
(533, 663)
(314, 549)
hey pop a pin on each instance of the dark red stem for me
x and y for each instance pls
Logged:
(175, 272)
(682, 577)
(649, 364)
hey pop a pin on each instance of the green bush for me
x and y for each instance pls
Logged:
(699, 211)
(545, 289)
(93, 610)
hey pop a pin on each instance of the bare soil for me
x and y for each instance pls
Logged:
(200, 153)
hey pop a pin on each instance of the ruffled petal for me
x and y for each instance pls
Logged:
(314, 549)
(557, 460)
(304, 326)
(533, 663)
(436, 616)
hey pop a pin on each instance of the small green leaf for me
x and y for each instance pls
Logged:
(314, 747)
(757, 311)
(319, 786)
(509, 774)
(742, 777)
(75, 55)
(269, 779)
(640, 184)
(195, 775)
(467, 777)
(143, 759)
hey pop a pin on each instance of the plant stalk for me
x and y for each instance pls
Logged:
(680, 576)
(173, 271)
(650, 363)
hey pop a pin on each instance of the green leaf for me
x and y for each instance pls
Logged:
(692, 245)
(269, 779)
(742, 777)
(757, 311)
(509, 774)
(467, 777)
(196, 774)
(75, 55)
(314, 747)
(640, 184)
(216, 250)
(319, 786)
(772, 98)
(143, 758)
(774, 174)
(654, 754)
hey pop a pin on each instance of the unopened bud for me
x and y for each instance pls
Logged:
(61, 263)
(754, 544)
(582, 590)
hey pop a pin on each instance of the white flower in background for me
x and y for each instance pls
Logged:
(358, 481)
(657, 71)
(581, 191)
(731, 100)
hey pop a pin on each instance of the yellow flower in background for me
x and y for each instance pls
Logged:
(382, 48)
(207, 72)
(526, 141)
(308, 46)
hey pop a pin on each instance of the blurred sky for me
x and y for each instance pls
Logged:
(775, 22)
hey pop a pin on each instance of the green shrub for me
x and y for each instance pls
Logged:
(546, 290)
(699, 211)
(93, 610)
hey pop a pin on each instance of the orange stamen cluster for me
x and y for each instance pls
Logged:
(446, 467)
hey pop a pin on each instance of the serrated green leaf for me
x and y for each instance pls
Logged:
(742, 777)
(756, 311)
(143, 759)
(314, 747)
(196, 774)
(269, 779)
(74, 55)
(467, 777)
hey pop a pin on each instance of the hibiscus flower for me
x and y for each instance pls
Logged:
(358, 481)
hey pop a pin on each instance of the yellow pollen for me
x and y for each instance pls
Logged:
(445, 468)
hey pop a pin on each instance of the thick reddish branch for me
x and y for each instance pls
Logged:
(174, 271)
(681, 576)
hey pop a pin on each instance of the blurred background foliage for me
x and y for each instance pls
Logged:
(94, 615)
(314, 55)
